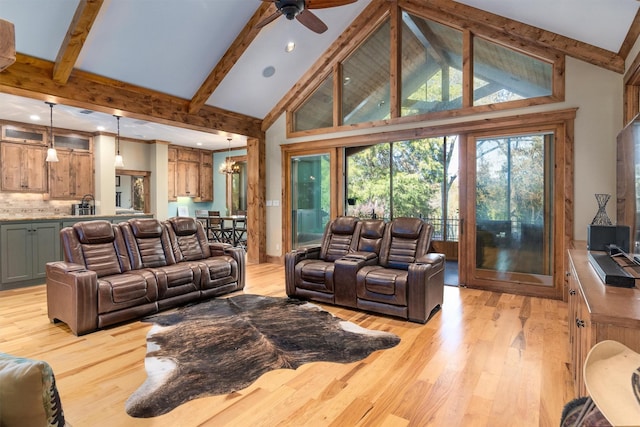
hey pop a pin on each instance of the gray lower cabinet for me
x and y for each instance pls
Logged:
(25, 248)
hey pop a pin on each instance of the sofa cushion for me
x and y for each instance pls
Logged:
(28, 394)
(315, 275)
(93, 232)
(339, 238)
(383, 285)
(183, 226)
(144, 228)
(125, 290)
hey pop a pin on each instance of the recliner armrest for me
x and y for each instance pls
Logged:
(72, 296)
(365, 256)
(434, 259)
(218, 249)
(294, 257)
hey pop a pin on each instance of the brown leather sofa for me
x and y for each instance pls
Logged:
(115, 273)
(380, 267)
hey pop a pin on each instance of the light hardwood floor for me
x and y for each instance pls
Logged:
(485, 359)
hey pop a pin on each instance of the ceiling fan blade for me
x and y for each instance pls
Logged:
(322, 4)
(269, 19)
(311, 21)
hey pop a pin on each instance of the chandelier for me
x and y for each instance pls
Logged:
(229, 167)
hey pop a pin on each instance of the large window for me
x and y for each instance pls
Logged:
(431, 66)
(420, 68)
(414, 178)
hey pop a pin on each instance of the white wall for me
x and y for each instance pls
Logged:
(597, 93)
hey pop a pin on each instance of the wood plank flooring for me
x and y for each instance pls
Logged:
(485, 359)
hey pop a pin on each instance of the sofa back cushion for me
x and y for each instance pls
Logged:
(188, 239)
(98, 245)
(340, 238)
(371, 234)
(405, 240)
(147, 242)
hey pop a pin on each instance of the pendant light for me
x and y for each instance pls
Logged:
(52, 154)
(119, 162)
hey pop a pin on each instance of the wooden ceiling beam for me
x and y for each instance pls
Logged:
(228, 60)
(503, 29)
(632, 36)
(79, 28)
(31, 77)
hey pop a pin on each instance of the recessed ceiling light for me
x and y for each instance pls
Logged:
(34, 117)
(290, 46)
(268, 71)
(198, 143)
(100, 128)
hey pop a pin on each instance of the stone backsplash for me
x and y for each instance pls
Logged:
(30, 205)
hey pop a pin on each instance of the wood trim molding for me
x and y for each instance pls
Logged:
(31, 77)
(7, 44)
(632, 36)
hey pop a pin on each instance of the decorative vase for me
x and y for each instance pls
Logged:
(601, 217)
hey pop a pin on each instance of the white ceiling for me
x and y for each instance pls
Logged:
(171, 46)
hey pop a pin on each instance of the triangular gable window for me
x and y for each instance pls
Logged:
(501, 74)
(432, 64)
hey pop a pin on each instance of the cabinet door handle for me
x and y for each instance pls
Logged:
(580, 323)
(572, 292)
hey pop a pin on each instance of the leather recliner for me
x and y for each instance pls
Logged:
(222, 266)
(115, 273)
(310, 270)
(149, 248)
(407, 281)
(97, 287)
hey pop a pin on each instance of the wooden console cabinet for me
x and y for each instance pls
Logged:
(597, 312)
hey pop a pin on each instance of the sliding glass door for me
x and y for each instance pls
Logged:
(310, 197)
(512, 221)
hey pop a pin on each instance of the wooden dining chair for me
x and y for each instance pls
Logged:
(201, 217)
(219, 231)
(240, 231)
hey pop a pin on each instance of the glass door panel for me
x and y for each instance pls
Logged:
(513, 206)
(310, 198)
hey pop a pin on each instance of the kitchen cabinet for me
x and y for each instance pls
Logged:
(190, 173)
(23, 167)
(171, 175)
(187, 178)
(72, 176)
(23, 134)
(26, 248)
(206, 177)
(597, 312)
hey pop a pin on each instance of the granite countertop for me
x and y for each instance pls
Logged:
(64, 217)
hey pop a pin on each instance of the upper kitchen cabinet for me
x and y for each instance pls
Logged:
(206, 176)
(13, 133)
(72, 176)
(190, 173)
(23, 167)
(171, 174)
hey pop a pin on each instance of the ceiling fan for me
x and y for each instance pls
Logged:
(299, 9)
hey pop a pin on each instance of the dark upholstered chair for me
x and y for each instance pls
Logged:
(309, 270)
(407, 281)
(96, 286)
(149, 248)
(222, 266)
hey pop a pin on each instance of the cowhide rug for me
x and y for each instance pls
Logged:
(223, 345)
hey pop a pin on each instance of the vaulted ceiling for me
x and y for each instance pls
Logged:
(196, 70)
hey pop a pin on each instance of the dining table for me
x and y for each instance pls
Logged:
(235, 224)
